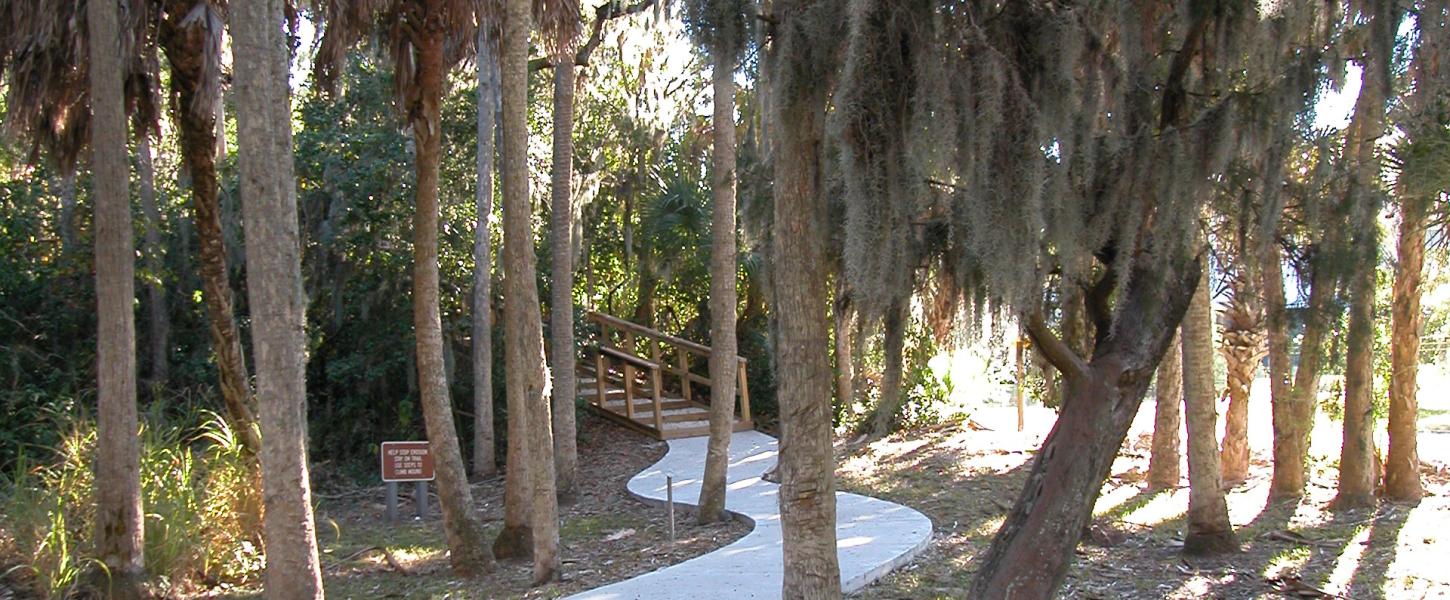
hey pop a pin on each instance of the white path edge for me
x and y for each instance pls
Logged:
(873, 536)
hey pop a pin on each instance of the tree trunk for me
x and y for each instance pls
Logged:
(119, 528)
(158, 317)
(1402, 469)
(528, 375)
(1242, 347)
(883, 418)
(485, 463)
(1356, 458)
(843, 327)
(724, 363)
(1294, 416)
(274, 288)
(1031, 552)
(1209, 529)
(807, 471)
(68, 210)
(466, 551)
(1165, 460)
(561, 293)
(185, 48)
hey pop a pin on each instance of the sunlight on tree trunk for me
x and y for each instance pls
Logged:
(1402, 466)
(274, 291)
(118, 520)
(723, 301)
(1208, 530)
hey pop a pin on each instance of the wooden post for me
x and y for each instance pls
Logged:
(684, 372)
(628, 389)
(659, 417)
(600, 399)
(670, 500)
(1017, 389)
(392, 501)
(654, 356)
(744, 392)
(420, 498)
(629, 345)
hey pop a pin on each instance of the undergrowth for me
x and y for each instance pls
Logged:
(200, 498)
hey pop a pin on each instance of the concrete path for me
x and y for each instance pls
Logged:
(873, 536)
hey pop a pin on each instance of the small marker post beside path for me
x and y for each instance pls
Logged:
(407, 461)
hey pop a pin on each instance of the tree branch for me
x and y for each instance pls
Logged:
(605, 12)
(1053, 348)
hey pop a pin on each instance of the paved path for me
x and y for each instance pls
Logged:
(873, 536)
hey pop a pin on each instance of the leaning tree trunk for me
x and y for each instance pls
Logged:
(1165, 459)
(485, 463)
(1209, 529)
(186, 49)
(466, 551)
(561, 293)
(1402, 468)
(723, 301)
(1030, 554)
(274, 289)
(1242, 347)
(528, 375)
(883, 418)
(118, 523)
(157, 316)
(808, 485)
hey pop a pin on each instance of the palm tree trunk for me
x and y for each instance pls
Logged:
(527, 372)
(1402, 468)
(1294, 415)
(1164, 462)
(185, 51)
(485, 463)
(1209, 529)
(158, 317)
(68, 209)
(466, 551)
(1356, 459)
(274, 288)
(723, 292)
(808, 485)
(561, 297)
(842, 328)
(1242, 347)
(118, 523)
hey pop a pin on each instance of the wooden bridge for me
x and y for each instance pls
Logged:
(648, 383)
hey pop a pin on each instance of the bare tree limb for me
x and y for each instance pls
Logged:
(1053, 348)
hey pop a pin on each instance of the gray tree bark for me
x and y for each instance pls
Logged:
(274, 289)
(485, 462)
(561, 297)
(723, 293)
(118, 526)
(157, 315)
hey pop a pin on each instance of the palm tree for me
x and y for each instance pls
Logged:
(118, 521)
(562, 23)
(1163, 462)
(274, 288)
(1243, 345)
(425, 38)
(719, 27)
(484, 459)
(1209, 530)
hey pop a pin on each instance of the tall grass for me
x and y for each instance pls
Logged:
(201, 499)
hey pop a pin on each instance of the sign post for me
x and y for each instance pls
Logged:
(407, 461)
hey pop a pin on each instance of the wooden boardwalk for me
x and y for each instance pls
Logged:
(648, 381)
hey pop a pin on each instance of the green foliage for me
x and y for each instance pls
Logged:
(202, 503)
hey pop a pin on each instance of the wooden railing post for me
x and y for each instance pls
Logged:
(600, 379)
(659, 416)
(628, 389)
(654, 355)
(684, 371)
(744, 392)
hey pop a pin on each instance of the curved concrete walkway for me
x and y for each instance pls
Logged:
(873, 536)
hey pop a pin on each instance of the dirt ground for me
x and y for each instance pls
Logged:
(965, 481)
(607, 535)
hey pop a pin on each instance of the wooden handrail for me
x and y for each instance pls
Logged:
(630, 358)
(629, 327)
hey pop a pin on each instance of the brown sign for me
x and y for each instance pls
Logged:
(407, 461)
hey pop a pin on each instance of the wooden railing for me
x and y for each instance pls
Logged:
(662, 355)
